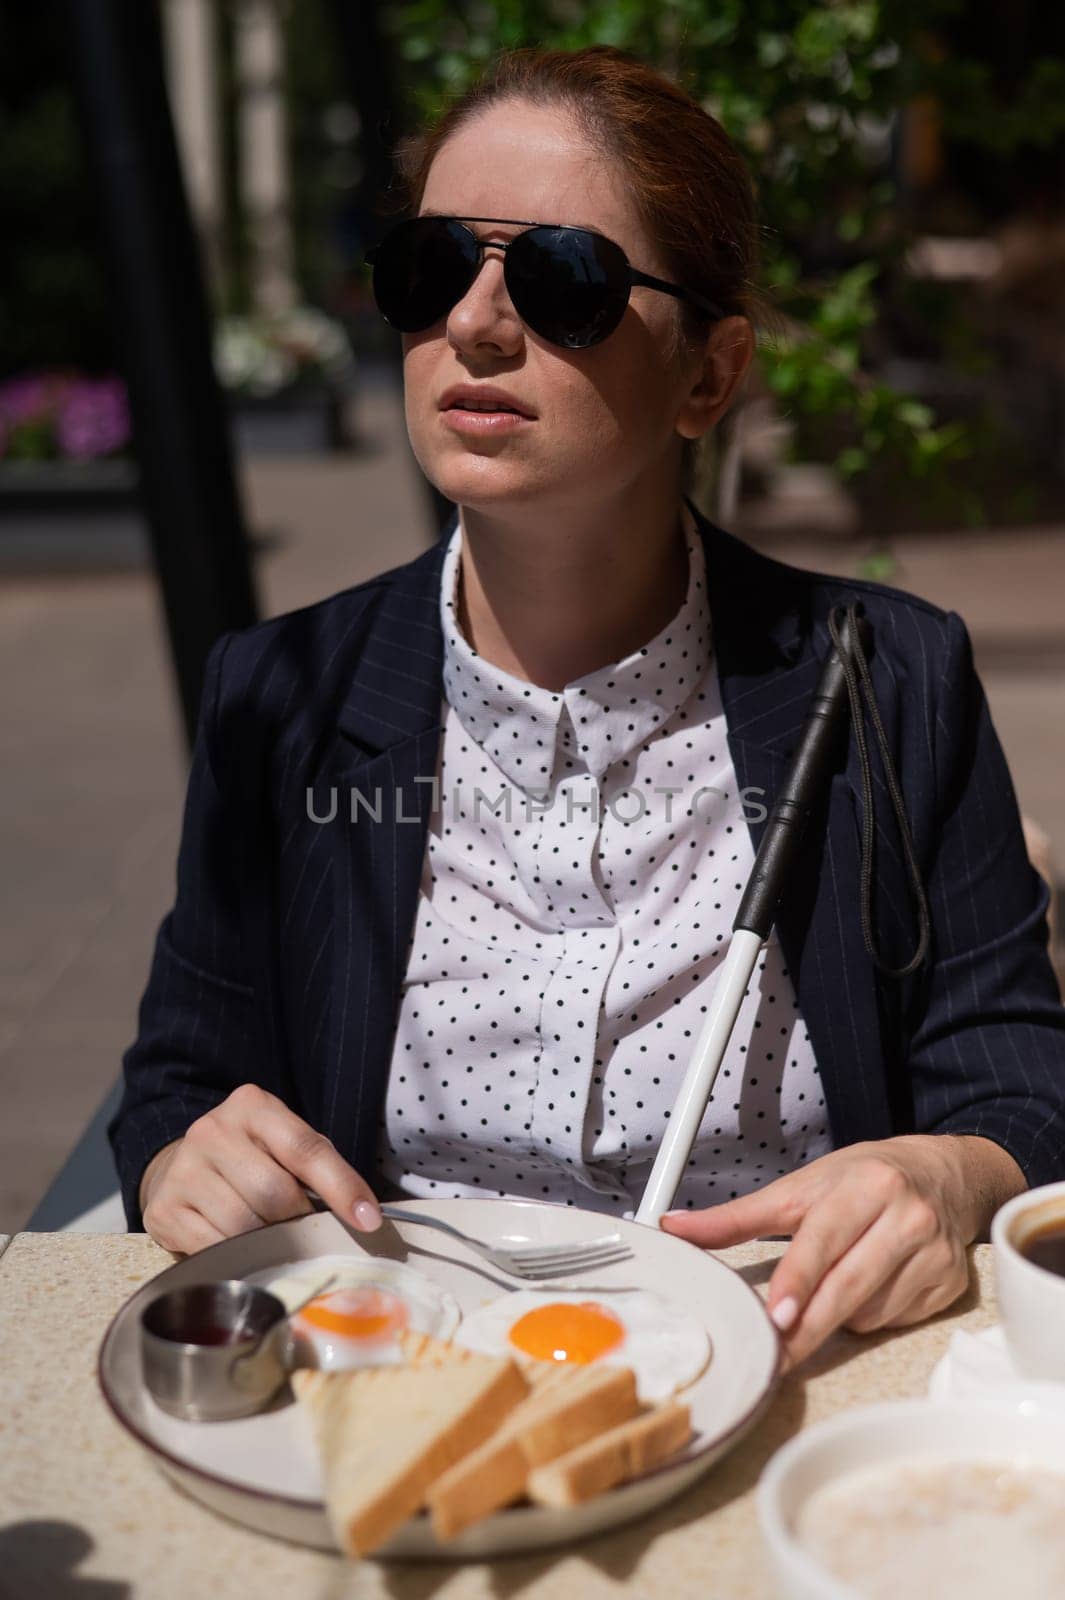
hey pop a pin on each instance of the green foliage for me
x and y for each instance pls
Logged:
(815, 370)
(880, 566)
(809, 91)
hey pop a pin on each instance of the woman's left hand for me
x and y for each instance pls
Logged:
(878, 1232)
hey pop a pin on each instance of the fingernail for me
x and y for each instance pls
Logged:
(367, 1217)
(784, 1313)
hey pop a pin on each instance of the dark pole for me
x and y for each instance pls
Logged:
(160, 307)
(373, 86)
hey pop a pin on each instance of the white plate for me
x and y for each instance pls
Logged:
(263, 1471)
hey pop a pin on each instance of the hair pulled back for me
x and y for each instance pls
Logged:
(689, 184)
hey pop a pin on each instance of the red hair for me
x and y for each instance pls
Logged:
(690, 185)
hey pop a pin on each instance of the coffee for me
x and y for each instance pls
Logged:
(1045, 1246)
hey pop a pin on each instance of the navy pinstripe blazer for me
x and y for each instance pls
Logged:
(282, 959)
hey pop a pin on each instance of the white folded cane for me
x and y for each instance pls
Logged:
(806, 779)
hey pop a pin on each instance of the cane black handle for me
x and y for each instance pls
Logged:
(807, 777)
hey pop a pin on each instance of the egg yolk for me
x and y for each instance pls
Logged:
(366, 1314)
(566, 1332)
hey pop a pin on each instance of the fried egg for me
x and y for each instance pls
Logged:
(665, 1347)
(357, 1320)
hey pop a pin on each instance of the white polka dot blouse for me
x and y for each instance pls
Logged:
(584, 860)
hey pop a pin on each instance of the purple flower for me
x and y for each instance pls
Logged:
(53, 413)
(93, 418)
(27, 399)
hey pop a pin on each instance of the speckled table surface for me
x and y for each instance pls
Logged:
(84, 1513)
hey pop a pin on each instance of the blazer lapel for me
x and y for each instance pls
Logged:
(769, 649)
(383, 765)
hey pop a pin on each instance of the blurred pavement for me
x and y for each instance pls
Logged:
(95, 764)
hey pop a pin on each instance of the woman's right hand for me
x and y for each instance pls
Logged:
(242, 1165)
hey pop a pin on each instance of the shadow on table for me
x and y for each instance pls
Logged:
(618, 1554)
(38, 1558)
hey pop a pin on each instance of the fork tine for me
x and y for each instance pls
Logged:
(570, 1265)
(555, 1252)
(568, 1274)
(574, 1258)
(570, 1262)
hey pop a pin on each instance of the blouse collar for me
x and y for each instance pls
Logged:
(600, 718)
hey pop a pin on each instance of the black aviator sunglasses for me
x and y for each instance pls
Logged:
(568, 284)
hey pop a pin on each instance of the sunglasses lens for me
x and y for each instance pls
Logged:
(422, 268)
(570, 286)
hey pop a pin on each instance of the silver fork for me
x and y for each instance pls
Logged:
(528, 1261)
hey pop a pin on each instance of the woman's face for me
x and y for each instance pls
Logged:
(604, 417)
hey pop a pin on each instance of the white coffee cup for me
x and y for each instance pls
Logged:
(1031, 1299)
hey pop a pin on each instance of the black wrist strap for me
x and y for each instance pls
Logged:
(848, 660)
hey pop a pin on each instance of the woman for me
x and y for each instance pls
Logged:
(463, 844)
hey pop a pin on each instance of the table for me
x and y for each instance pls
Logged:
(85, 1513)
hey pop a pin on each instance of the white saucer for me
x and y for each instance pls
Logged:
(977, 1368)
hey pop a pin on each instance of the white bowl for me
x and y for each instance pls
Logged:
(914, 1430)
(1031, 1300)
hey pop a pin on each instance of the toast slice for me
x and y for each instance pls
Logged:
(386, 1433)
(614, 1457)
(422, 1350)
(566, 1406)
(593, 1400)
